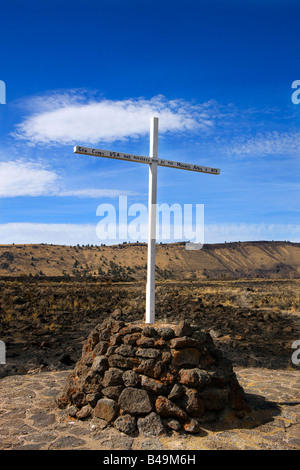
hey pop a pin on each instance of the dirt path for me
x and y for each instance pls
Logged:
(29, 418)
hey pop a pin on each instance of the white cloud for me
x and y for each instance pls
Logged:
(71, 234)
(27, 178)
(69, 118)
(60, 234)
(23, 178)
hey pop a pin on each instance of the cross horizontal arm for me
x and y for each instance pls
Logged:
(142, 159)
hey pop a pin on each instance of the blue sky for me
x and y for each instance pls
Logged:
(219, 76)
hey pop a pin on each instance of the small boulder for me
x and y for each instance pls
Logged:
(112, 392)
(92, 398)
(184, 342)
(135, 401)
(166, 332)
(183, 329)
(174, 424)
(116, 360)
(106, 409)
(125, 350)
(126, 424)
(192, 427)
(131, 378)
(112, 376)
(195, 378)
(193, 404)
(84, 413)
(185, 357)
(166, 409)
(149, 331)
(100, 365)
(153, 385)
(151, 425)
(145, 342)
(148, 353)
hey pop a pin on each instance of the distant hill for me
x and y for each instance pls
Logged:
(127, 262)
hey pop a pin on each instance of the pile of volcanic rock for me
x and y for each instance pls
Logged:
(150, 379)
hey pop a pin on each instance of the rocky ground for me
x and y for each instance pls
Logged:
(44, 324)
(30, 419)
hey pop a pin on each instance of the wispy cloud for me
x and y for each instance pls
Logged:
(67, 118)
(265, 144)
(28, 178)
(60, 234)
(25, 178)
(95, 193)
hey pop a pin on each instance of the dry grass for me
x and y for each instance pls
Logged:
(128, 261)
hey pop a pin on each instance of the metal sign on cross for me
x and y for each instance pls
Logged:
(153, 161)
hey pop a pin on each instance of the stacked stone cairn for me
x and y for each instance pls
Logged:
(152, 379)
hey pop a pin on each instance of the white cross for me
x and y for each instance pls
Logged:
(153, 161)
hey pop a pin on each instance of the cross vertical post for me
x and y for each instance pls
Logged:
(153, 161)
(152, 198)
